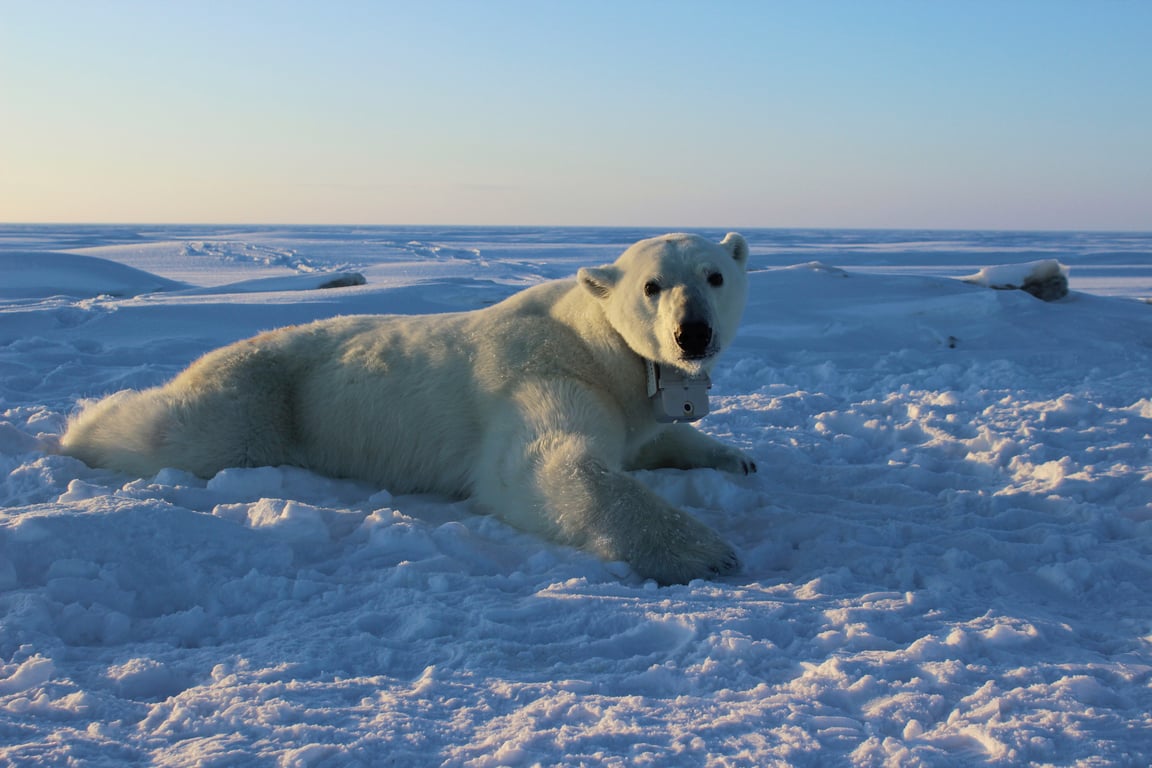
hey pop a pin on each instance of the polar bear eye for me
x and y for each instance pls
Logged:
(651, 288)
(715, 279)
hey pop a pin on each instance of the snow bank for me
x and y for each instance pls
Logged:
(948, 551)
(305, 282)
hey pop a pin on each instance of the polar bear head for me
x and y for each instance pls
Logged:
(676, 299)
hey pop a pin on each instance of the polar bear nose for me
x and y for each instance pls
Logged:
(693, 338)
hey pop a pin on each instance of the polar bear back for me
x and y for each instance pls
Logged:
(425, 387)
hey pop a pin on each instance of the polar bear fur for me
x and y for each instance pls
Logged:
(535, 407)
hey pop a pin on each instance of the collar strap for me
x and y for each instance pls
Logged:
(653, 384)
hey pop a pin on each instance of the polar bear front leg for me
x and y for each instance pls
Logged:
(607, 512)
(559, 472)
(680, 446)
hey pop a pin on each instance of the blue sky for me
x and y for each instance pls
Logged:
(1003, 114)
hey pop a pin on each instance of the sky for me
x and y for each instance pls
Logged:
(1004, 114)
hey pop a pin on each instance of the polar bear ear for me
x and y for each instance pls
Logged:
(599, 281)
(736, 243)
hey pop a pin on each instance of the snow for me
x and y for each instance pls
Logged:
(947, 551)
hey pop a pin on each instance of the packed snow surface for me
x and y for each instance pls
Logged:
(947, 551)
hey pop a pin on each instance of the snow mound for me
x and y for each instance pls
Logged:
(42, 274)
(1046, 279)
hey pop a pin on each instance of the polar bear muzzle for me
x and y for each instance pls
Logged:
(694, 338)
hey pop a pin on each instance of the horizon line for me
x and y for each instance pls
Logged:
(654, 227)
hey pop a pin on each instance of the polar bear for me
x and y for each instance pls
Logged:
(536, 407)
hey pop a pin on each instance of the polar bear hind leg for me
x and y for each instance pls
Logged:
(231, 408)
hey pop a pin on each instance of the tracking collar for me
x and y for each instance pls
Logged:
(676, 396)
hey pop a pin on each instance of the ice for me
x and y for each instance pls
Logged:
(947, 550)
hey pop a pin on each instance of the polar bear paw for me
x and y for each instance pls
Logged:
(691, 550)
(734, 461)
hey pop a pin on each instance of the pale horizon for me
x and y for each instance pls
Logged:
(1027, 116)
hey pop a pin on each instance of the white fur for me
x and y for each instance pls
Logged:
(535, 407)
